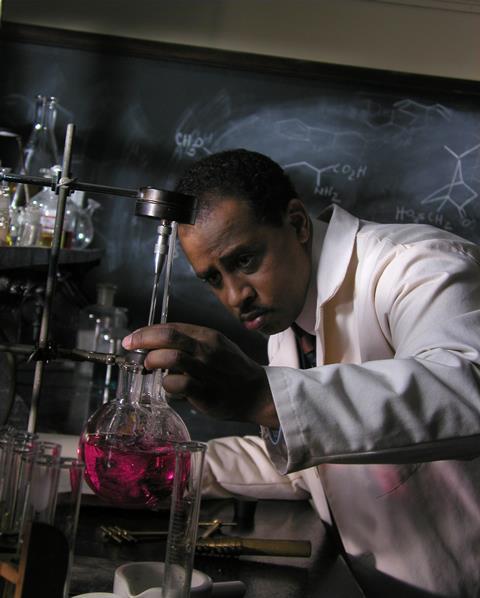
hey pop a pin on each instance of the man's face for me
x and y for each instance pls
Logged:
(259, 272)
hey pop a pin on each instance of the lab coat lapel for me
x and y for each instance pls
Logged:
(334, 259)
(331, 264)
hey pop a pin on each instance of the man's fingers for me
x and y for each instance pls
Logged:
(160, 335)
(181, 385)
(176, 360)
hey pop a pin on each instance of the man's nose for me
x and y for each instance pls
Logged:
(237, 292)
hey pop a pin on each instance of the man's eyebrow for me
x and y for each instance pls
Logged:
(239, 250)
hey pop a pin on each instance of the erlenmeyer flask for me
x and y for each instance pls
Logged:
(41, 150)
(128, 443)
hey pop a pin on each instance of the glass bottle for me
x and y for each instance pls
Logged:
(5, 211)
(128, 444)
(101, 327)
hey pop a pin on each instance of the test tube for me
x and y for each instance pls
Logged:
(44, 482)
(16, 485)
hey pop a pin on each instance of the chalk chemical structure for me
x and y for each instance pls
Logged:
(192, 144)
(346, 170)
(294, 129)
(457, 192)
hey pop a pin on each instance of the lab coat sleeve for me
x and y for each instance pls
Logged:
(421, 405)
(240, 467)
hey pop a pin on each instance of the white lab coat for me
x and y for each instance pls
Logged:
(388, 425)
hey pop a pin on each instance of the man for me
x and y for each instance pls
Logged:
(383, 432)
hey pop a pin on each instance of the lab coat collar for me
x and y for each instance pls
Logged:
(331, 253)
(336, 251)
(332, 248)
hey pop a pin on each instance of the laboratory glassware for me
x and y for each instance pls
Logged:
(128, 443)
(47, 202)
(84, 227)
(41, 150)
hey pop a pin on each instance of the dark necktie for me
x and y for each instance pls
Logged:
(307, 354)
(306, 347)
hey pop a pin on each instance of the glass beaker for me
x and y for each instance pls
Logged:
(128, 443)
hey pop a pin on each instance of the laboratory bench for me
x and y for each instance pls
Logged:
(323, 573)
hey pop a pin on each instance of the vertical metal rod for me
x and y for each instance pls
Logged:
(159, 374)
(168, 273)
(51, 277)
(161, 251)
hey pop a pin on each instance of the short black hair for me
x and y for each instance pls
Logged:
(245, 175)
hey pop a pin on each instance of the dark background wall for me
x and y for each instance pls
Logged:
(385, 146)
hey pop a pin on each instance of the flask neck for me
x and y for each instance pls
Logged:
(152, 389)
(130, 383)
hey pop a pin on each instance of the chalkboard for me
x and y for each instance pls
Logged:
(386, 146)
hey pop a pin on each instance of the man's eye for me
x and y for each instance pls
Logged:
(245, 261)
(214, 279)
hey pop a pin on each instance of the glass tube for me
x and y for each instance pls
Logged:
(183, 525)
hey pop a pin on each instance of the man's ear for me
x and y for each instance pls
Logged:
(297, 216)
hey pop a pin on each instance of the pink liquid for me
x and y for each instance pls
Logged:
(127, 473)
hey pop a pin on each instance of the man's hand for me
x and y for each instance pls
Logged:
(207, 369)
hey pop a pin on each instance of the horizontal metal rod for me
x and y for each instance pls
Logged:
(52, 352)
(72, 184)
(93, 188)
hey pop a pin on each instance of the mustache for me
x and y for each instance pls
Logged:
(252, 311)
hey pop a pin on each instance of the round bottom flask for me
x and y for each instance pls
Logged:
(128, 443)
